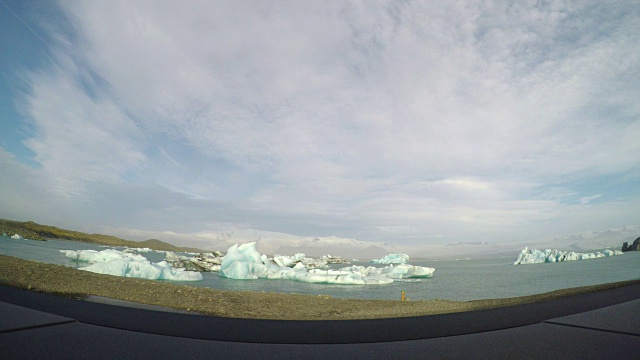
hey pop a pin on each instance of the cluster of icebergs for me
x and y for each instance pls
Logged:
(245, 262)
(127, 264)
(535, 256)
(212, 261)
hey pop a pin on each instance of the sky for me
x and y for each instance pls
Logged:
(405, 122)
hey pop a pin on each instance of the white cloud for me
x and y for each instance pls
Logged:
(78, 137)
(365, 88)
(376, 120)
(587, 199)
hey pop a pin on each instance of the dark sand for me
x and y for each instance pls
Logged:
(62, 280)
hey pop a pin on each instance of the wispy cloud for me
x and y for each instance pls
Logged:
(392, 121)
(588, 199)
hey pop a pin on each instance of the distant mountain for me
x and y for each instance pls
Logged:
(287, 244)
(344, 251)
(469, 243)
(33, 230)
(592, 240)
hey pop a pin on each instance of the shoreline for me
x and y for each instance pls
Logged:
(70, 282)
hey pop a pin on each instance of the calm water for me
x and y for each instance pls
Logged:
(453, 279)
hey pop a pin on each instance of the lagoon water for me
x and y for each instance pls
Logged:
(470, 279)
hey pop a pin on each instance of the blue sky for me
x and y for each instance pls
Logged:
(404, 122)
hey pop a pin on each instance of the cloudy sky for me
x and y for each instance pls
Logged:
(406, 122)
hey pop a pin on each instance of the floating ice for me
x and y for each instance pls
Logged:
(392, 259)
(343, 277)
(126, 264)
(127, 267)
(402, 271)
(199, 262)
(93, 256)
(330, 259)
(288, 261)
(245, 262)
(535, 256)
(17, 237)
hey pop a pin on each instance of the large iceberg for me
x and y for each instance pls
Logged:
(344, 277)
(392, 259)
(126, 264)
(535, 256)
(402, 271)
(245, 262)
(127, 267)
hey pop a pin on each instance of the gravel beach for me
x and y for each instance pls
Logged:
(65, 281)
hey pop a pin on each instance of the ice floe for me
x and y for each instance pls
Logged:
(535, 256)
(17, 237)
(392, 259)
(127, 264)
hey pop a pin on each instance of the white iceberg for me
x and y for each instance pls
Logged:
(127, 264)
(107, 255)
(245, 262)
(127, 267)
(288, 261)
(343, 277)
(17, 237)
(330, 259)
(392, 259)
(535, 256)
(300, 258)
(402, 271)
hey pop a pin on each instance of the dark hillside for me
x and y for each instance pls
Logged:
(35, 231)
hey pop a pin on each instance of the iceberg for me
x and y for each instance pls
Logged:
(330, 259)
(94, 256)
(300, 258)
(127, 264)
(288, 261)
(392, 259)
(245, 262)
(343, 277)
(535, 256)
(17, 237)
(127, 267)
(402, 271)
(200, 262)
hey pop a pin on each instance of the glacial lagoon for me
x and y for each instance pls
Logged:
(468, 279)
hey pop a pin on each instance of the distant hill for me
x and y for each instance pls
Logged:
(35, 231)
